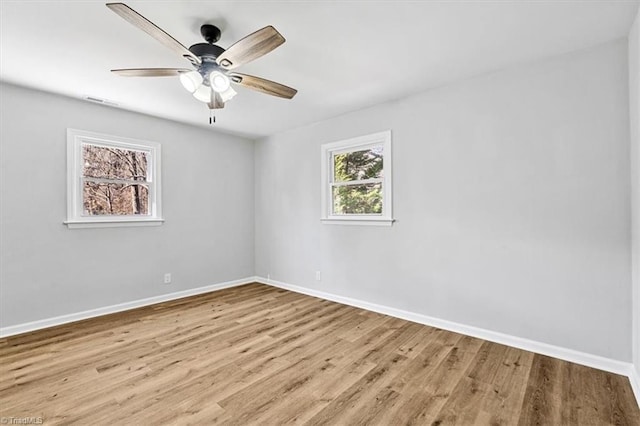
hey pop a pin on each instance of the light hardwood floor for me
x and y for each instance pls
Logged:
(260, 355)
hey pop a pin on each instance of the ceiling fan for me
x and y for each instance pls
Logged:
(210, 79)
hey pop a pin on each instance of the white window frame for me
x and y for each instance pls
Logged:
(75, 208)
(328, 151)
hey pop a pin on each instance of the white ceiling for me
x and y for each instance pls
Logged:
(340, 55)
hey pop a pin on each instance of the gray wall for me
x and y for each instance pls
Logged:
(48, 270)
(511, 194)
(634, 113)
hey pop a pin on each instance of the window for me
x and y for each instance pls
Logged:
(112, 181)
(356, 181)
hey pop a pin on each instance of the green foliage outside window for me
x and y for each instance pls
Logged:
(358, 198)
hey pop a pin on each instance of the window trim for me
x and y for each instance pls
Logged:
(328, 151)
(75, 218)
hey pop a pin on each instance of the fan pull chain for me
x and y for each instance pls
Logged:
(212, 117)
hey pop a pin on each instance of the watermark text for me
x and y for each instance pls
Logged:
(9, 420)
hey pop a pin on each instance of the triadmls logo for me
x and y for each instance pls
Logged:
(21, 420)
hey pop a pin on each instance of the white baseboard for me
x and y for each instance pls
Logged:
(64, 319)
(589, 360)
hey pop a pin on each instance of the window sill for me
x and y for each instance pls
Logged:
(112, 223)
(359, 221)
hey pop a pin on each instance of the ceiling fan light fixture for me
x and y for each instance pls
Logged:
(228, 94)
(219, 82)
(209, 82)
(191, 80)
(203, 94)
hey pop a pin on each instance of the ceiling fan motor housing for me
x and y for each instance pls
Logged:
(207, 54)
(206, 50)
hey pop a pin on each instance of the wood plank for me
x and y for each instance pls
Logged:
(259, 355)
(543, 397)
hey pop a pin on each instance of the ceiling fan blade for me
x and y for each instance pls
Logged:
(216, 101)
(251, 47)
(153, 30)
(150, 72)
(263, 85)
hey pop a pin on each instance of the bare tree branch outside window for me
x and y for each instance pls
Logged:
(115, 181)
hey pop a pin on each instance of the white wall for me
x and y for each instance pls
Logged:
(511, 194)
(48, 270)
(634, 110)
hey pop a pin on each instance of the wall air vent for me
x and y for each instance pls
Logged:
(100, 101)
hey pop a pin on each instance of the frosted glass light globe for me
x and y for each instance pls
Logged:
(219, 82)
(191, 80)
(228, 94)
(203, 94)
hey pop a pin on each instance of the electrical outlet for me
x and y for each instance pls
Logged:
(167, 278)
(318, 276)
(268, 277)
